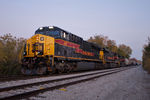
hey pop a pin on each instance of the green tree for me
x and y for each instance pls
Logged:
(103, 41)
(124, 50)
(99, 40)
(146, 56)
(111, 45)
(10, 48)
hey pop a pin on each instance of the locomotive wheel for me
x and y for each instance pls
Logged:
(60, 68)
(26, 71)
(54, 70)
(41, 70)
(68, 68)
(23, 71)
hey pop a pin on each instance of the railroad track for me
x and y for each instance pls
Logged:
(33, 88)
(26, 77)
(16, 77)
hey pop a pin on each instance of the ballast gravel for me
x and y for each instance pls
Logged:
(47, 85)
(34, 80)
(131, 84)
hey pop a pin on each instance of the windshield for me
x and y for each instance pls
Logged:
(49, 32)
(40, 33)
(52, 33)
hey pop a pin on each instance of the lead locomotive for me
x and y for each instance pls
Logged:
(53, 49)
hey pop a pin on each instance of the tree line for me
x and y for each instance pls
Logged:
(11, 50)
(146, 56)
(105, 42)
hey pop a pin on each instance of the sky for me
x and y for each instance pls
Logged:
(125, 21)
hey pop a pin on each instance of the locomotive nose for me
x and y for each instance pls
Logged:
(38, 48)
(38, 45)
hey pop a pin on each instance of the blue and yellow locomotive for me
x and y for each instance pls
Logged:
(53, 49)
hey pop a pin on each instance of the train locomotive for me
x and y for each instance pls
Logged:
(54, 50)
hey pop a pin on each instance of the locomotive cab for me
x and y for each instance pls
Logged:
(38, 46)
(49, 31)
(58, 33)
(38, 54)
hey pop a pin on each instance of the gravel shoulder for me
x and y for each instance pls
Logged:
(40, 79)
(131, 84)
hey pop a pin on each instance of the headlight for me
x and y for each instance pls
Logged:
(42, 38)
(51, 27)
(39, 52)
(24, 53)
(41, 28)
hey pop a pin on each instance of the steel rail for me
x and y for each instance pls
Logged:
(33, 92)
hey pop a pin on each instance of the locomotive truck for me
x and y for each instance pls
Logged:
(54, 50)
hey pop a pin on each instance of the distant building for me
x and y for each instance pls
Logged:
(134, 61)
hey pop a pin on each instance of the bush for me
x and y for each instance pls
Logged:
(146, 56)
(11, 49)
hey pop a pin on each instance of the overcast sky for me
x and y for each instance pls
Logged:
(125, 21)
